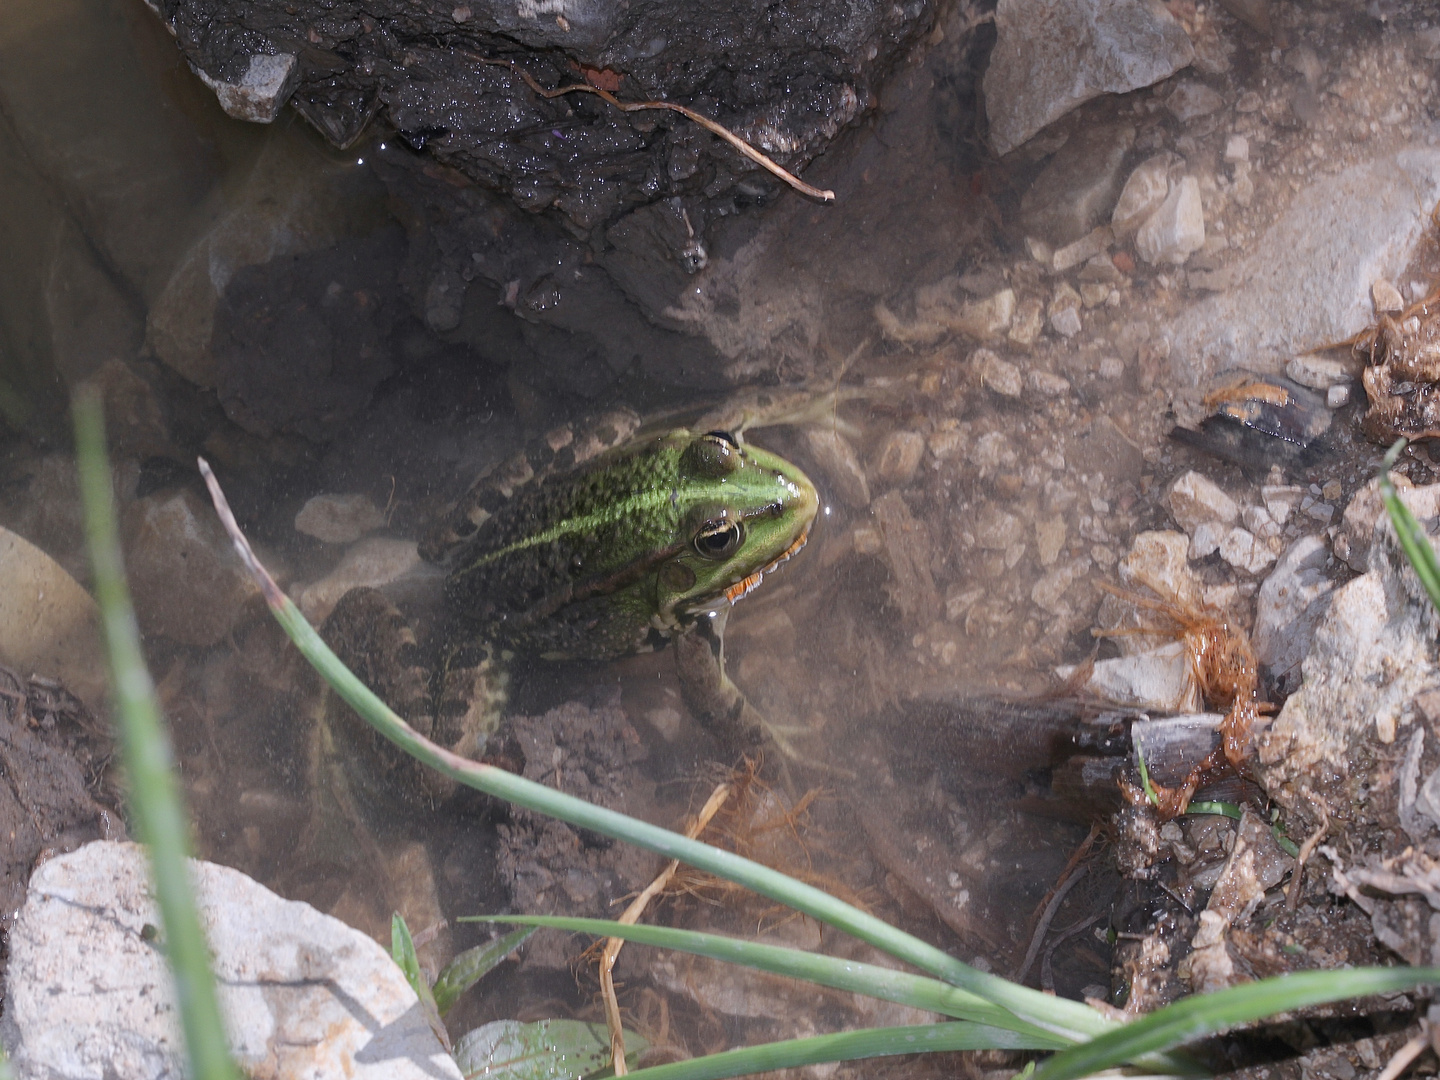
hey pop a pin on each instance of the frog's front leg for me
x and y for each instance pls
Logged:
(711, 697)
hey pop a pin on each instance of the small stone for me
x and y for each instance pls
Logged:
(997, 375)
(1191, 100)
(1094, 293)
(1157, 560)
(1242, 188)
(993, 451)
(338, 519)
(1029, 322)
(1387, 298)
(1039, 250)
(1289, 607)
(1064, 310)
(1143, 194)
(997, 530)
(1082, 250)
(1048, 592)
(1241, 551)
(1050, 539)
(461, 14)
(1177, 229)
(375, 562)
(1111, 367)
(1195, 499)
(1321, 512)
(263, 88)
(1045, 384)
(1206, 540)
(900, 456)
(1281, 500)
(1337, 397)
(1076, 189)
(837, 461)
(1331, 491)
(1320, 372)
(1237, 148)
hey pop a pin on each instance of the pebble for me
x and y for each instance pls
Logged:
(338, 519)
(997, 530)
(900, 456)
(1029, 322)
(1289, 606)
(1321, 512)
(1281, 500)
(1320, 372)
(1111, 367)
(1237, 148)
(1337, 397)
(841, 468)
(997, 375)
(1240, 549)
(1050, 539)
(1064, 310)
(1195, 499)
(1045, 384)
(1157, 561)
(1094, 293)
(1191, 100)
(1048, 592)
(1077, 187)
(1386, 297)
(1258, 520)
(1206, 539)
(375, 562)
(1082, 250)
(1143, 194)
(1331, 491)
(1175, 231)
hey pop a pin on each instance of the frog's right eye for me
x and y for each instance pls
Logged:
(719, 539)
(713, 455)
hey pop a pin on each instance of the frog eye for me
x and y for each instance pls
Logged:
(714, 454)
(719, 539)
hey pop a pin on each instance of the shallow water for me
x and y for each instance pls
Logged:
(186, 261)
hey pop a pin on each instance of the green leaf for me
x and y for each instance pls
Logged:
(1413, 540)
(544, 1050)
(156, 808)
(871, 980)
(846, 1046)
(402, 951)
(1208, 1014)
(472, 965)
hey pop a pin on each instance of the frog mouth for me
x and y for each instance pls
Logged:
(746, 585)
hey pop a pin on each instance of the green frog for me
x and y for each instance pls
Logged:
(595, 543)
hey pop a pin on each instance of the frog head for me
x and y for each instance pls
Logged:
(741, 511)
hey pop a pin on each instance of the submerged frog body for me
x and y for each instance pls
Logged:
(587, 553)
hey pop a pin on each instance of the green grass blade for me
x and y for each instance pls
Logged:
(1207, 1014)
(1069, 1019)
(887, 984)
(402, 951)
(153, 793)
(472, 965)
(845, 1046)
(1413, 540)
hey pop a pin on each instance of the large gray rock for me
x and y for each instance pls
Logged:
(90, 994)
(1052, 55)
(1307, 282)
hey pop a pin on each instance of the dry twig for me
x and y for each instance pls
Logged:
(632, 915)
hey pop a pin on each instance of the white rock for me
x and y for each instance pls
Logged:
(1281, 500)
(375, 562)
(49, 625)
(261, 91)
(338, 519)
(1195, 499)
(1143, 194)
(996, 530)
(1337, 397)
(1045, 384)
(1258, 520)
(1082, 250)
(1290, 604)
(1243, 551)
(1052, 55)
(1237, 148)
(1175, 231)
(1157, 561)
(1158, 679)
(1206, 539)
(1029, 321)
(1386, 297)
(1307, 281)
(1191, 100)
(1320, 372)
(997, 375)
(1064, 310)
(88, 996)
(187, 581)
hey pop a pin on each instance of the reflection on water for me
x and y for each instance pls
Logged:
(372, 326)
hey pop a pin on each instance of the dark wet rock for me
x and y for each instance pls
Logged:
(1051, 56)
(1308, 281)
(55, 793)
(299, 346)
(188, 583)
(552, 868)
(808, 72)
(1078, 187)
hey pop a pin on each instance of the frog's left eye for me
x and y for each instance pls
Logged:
(714, 454)
(719, 539)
